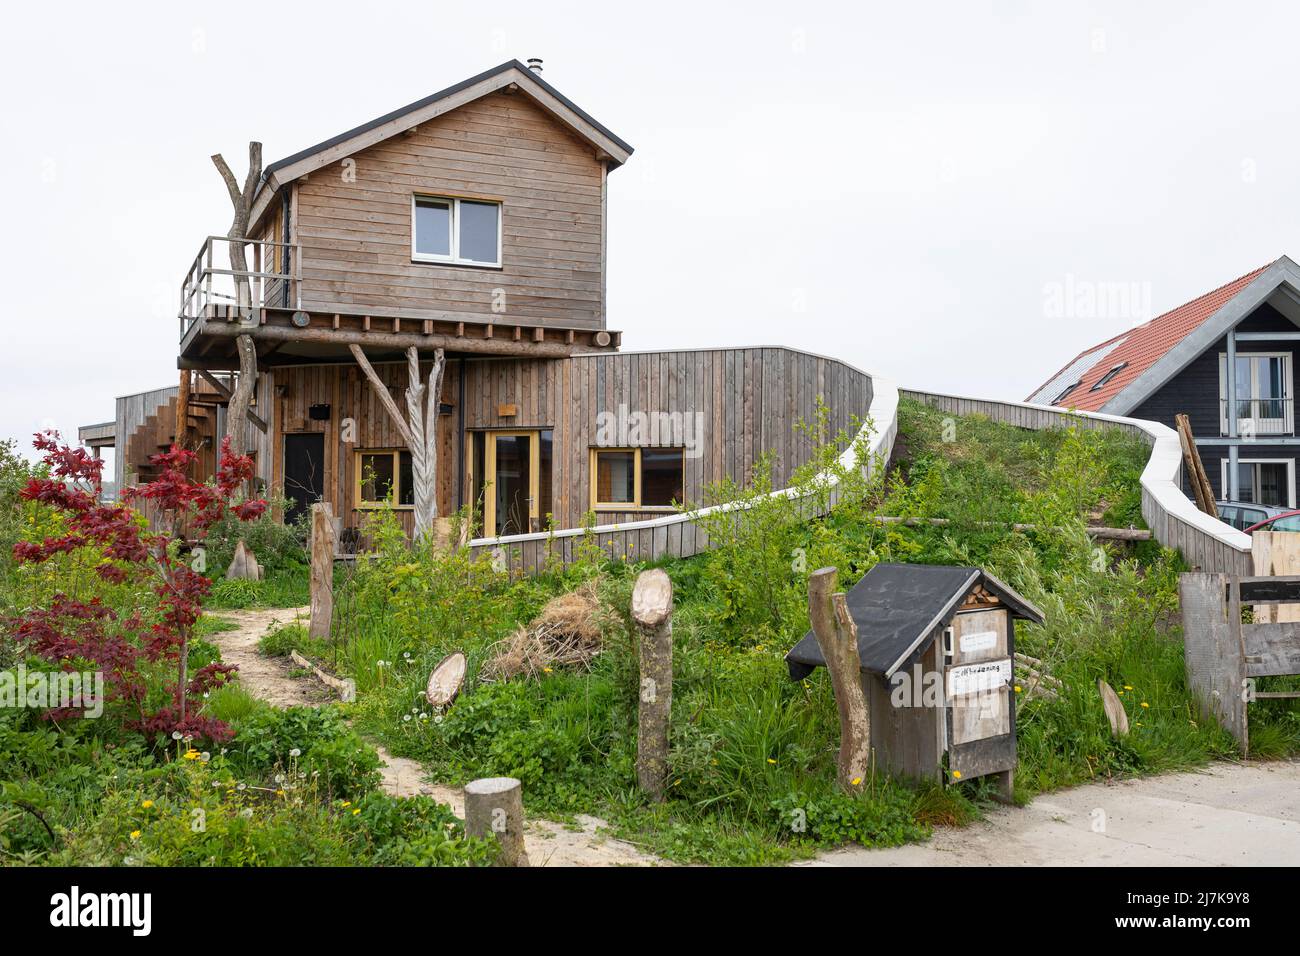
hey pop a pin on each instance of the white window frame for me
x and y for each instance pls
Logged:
(1258, 426)
(454, 225)
(1290, 477)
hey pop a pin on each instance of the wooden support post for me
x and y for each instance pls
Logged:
(494, 809)
(182, 428)
(652, 610)
(1196, 476)
(837, 636)
(322, 570)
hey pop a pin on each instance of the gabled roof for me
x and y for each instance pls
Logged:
(900, 608)
(1122, 372)
(610, 147)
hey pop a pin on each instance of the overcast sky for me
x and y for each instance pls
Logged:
(910, 187)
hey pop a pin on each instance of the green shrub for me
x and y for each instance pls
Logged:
(315, 742)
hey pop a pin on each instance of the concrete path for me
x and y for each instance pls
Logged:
(1227, 815)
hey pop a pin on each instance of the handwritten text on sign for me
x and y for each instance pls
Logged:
(978, 678)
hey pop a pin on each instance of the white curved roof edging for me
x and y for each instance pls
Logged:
(1158, 478)
(883, 415)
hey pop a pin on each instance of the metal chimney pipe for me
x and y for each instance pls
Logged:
(535, 64)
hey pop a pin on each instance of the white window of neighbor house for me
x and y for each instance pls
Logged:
(459, 231)
(1263, 481)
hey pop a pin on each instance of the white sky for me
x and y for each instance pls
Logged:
(894, 184)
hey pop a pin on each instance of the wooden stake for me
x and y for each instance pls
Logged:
(837, 636)
(182, 429)
(494, 809)
(1200, 482)
(652, 610)
(322, 570)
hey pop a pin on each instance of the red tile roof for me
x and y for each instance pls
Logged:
(1141, 348)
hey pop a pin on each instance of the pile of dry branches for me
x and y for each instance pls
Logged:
(568, 633)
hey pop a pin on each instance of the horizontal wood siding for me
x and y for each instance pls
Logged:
(356, 235)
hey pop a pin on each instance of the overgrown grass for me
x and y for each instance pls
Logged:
(752, 752)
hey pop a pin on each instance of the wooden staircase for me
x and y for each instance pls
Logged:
(156, 434)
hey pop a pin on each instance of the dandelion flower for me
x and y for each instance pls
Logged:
(1017, 688)
(176, 735)
(347, 803)
(1145, 704)
(147, 804)
(356, 811)
(1128, 686)
(855, 781)
(191, 755)
(295, 752)
(956, 774)
(770, 760)
(135, 834)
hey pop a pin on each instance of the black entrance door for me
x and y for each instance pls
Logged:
(304, 473)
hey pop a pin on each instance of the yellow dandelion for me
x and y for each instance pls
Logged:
(135, 834)
(770, 760)
(1017, 688)
(147, 804)
(356, 811)
(956, 774)
(347, 803)
(279, 793)
(191, 755)
(546, 670)
(1145, 704)
(855, 781)
(1128, 686)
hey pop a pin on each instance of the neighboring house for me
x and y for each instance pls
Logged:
(474, 221)
(1227, 360)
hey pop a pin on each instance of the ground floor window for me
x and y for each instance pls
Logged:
(384, 478)
(1262, 481)
(637, 479)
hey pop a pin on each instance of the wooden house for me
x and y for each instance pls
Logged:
(1226, 359)
(475, 222)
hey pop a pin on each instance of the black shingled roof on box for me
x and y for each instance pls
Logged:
(900, 608)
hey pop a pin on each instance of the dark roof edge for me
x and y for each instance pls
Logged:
(441, 94)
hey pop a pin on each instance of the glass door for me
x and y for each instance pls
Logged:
(510, 477)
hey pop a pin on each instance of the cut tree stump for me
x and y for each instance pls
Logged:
(837, 636)
(322, 571)
(494, 809)
(446, 680)
(652, 610)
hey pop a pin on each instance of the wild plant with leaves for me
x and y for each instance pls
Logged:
(131, 650)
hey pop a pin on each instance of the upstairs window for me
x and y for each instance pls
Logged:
(1066, 393)
(459, 231)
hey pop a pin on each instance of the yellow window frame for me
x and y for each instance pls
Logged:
(396, 496)
(635, 504)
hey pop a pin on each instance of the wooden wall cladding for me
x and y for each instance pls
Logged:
(355, 230)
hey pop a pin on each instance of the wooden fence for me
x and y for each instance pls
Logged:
(680, 535)
(1206, 543)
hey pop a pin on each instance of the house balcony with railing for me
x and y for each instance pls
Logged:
(298, 317)
(1258, 417)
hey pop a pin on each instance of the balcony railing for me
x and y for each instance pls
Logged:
(1258, 416)
(272, 278)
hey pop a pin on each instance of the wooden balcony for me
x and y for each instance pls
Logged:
(265, 301)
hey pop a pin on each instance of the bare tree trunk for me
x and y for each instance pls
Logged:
(419, 429)
(242, 201)
(242, 396)
(322, 570)
(652, 610)
(181, 431)
(837, 636)
(494, 809)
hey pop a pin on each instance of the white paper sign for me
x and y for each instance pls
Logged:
(978, 678)
(979, 641)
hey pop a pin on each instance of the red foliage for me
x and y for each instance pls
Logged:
(71, 630)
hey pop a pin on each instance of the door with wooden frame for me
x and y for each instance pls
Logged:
(505, 470)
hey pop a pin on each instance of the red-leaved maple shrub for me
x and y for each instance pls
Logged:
(71, 630)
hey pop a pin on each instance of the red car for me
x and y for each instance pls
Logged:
(1286, 521)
